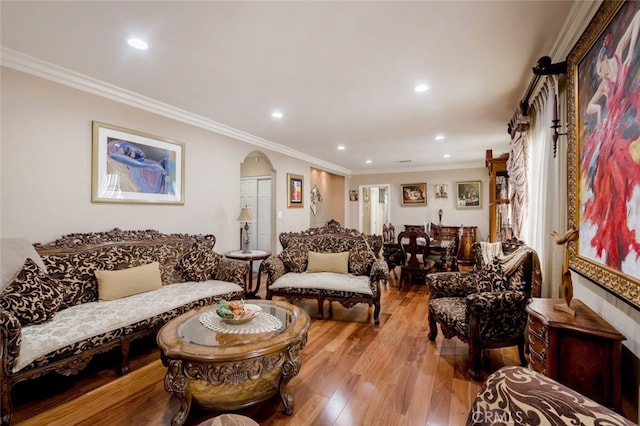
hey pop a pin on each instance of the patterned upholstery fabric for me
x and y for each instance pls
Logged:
(364, 260)
(361, 257)
(491, 277)
(520, 396)
(199, 263)
(453, 311)
(32, 297)
(83, 327)
(485, 308)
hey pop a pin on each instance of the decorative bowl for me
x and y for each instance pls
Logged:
(247, 316)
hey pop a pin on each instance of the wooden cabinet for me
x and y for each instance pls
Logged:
(582, 351)
(499, 208)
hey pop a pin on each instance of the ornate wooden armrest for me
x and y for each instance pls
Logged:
(231, 271)
(450, 284)
(274, 267)
(10, 339)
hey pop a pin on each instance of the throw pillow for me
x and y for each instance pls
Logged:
(361, 257)
(127, 282)
(294, 256)
(33, 297)
(328, 262)
(13, 253)
(491, 277)
(199, 263)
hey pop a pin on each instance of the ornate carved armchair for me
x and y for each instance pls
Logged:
(486, 308)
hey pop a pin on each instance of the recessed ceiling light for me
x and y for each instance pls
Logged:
(368, 161)
(138, 43)
(341, 147)
(421, 88)
(277, 114)
(439, 137)
(446, 156)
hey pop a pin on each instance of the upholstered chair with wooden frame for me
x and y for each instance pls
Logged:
(486, 308)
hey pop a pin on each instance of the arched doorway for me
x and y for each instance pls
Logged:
(256, 183)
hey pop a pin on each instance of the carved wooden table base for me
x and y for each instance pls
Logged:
(225, 378)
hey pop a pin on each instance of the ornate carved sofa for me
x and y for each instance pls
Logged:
(520, 396)
(313, 265)
(486, 308)
(83, 294)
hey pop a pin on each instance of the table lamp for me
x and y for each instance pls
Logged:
(245, 216)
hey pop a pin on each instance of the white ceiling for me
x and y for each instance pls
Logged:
(341, 72)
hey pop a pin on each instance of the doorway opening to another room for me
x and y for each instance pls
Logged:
(256, 182)
(374, 208)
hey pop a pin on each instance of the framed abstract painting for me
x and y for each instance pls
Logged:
(603, 175)
(135, 167)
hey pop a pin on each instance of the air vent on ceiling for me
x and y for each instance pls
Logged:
(402, 161)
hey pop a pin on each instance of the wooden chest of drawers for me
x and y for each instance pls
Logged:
(582, 351)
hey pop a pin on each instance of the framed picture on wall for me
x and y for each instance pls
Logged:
(135, 167)
(414, 194)
(353, 195)
(295, 190)
(469, 195)
(604, 150)
(441, 190)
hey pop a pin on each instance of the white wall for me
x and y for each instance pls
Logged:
(452, 216)
(46, 169)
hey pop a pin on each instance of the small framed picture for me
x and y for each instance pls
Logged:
(414, 194)
(469, 195)
(295, 190)
(442, 191)
(353, 195)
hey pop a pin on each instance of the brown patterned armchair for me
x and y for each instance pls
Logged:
(486, 308)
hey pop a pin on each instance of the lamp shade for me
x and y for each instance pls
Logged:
(245, 215)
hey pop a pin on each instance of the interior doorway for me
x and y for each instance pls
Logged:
(374, 208)
(256, 182)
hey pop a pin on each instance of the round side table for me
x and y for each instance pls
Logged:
(249, 291)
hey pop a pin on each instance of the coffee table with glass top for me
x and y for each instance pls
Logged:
(225, 367)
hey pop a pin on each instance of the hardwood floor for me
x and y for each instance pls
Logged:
(352, 373)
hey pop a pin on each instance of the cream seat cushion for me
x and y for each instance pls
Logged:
(127, 282)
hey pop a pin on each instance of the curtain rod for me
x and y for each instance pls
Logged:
(544, 66)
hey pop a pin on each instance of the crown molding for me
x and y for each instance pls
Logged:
(28, 64)
(579, 17)
(412, 169)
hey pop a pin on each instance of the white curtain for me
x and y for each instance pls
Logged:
(547, 184)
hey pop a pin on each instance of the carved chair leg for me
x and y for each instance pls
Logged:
(433, 326)
(475, 359)
(521, 347)
(320, 307)
(6, 409)
(125, 364)
(376, 313)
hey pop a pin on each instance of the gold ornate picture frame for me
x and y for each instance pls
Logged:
(603, 166)
(295, 189)
(414, 194)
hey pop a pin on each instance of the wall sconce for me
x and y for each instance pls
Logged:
(245, 216)
(555, 126)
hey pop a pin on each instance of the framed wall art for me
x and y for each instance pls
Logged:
(469, 195)
(353, 195)
(414, 194)
(135, 167)
(441, 190)
(295, 190)
(603, 172)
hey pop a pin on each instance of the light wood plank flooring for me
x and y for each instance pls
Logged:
(352, 373)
